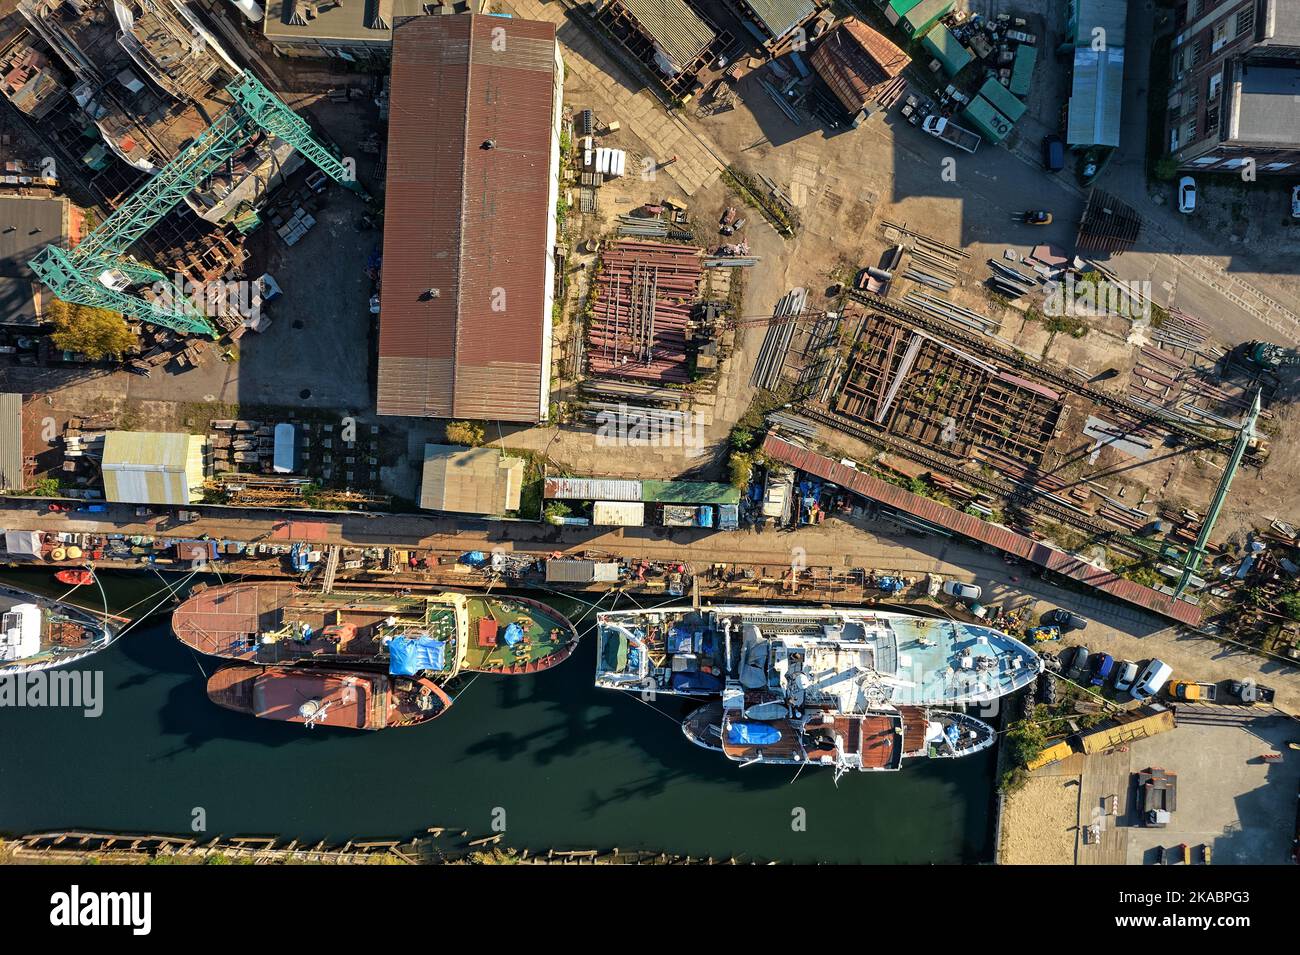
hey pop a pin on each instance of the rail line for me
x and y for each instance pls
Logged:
(1004, 489)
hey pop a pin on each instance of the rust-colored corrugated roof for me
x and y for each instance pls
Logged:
(973, 528)
(463, 312)
(855, 61)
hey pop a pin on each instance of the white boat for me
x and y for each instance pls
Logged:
(854, 660)
(37, 633)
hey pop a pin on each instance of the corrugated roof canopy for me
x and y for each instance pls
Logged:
(779, 17)
(674, 26)
(470, 480)
(147, 467)
(464, 312)
(1096, 97)
(1109, 16)
(855, 61)
(11, 442)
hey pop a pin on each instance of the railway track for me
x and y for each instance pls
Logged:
(1007, 490)
(1024, 363)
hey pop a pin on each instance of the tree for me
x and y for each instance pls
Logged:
(96, 333)
(741, 467)
(465, 432)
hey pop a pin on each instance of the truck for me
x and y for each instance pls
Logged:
(1193, 692)
(943, 128)
(1248, 691)
(1159, 791)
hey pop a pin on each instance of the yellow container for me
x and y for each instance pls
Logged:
(74, 552)
(57, 554)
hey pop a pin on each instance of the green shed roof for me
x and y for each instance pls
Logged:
(898, 9)
(1023, 70)
(1001, 98)
(946, 49)
(689, 492)
(988, 120)
(918, 19)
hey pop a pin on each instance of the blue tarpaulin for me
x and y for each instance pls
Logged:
(409, 655)
(475, 558)
(752, 734)
(513, 634)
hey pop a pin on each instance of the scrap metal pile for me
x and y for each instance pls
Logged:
(641, 314)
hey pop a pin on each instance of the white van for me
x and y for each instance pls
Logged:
(1128, 672)
(1152, 679)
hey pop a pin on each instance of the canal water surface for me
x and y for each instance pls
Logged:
(563, 764)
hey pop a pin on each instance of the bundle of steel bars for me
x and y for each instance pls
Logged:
(644, 295)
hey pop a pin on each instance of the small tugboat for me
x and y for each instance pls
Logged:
(275, 624)
(80, 577)
(37, 632)
(324, 696)
(865, 742)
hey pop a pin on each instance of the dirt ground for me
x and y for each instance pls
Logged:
(1039, 822)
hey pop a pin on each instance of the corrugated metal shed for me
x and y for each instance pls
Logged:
(591, 489)
(1109, 16)
(562, 571)
(11, 443)
(856, 61)
(470, 480)
(779, 17)
(975, 529)
(146, 467)
(947, 50)
(898, 8)
(472, 182)
(1128, 726)
(918, 19)
(1022, 71)
(689, 492)
(673, 26)
(618, 514)
(985, 118)
(1096, 97)
(1001, 98)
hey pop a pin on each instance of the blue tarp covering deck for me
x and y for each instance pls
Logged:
(407, 656)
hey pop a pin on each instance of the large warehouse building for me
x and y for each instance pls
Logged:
(473, 180)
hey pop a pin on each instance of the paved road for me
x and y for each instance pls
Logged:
(1118, 629)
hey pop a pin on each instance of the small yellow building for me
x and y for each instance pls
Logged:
(149, 467)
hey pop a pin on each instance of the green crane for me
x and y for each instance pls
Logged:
(1196, 553)
(99, 272)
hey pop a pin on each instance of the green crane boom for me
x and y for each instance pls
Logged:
(1197, 551)
(100, 273)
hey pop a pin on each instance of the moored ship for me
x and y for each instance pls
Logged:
(438, 634)
(861, 659)
(872, 741)
(37, 632)
(327, 696)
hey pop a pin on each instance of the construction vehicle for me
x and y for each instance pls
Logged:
(940, 127)
(1193, 692)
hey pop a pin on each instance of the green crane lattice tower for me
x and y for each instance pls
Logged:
(100, 273)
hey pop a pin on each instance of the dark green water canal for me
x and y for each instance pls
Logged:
(570, 765)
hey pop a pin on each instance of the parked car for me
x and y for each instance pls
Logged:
(1036, 217)
(1064, 619)
(1125, 674)
(1295, 202)
(1075, 663)
(961, 591)
(1053, 153)
(1101, 668)
(1186, 195)
(1152, 679)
